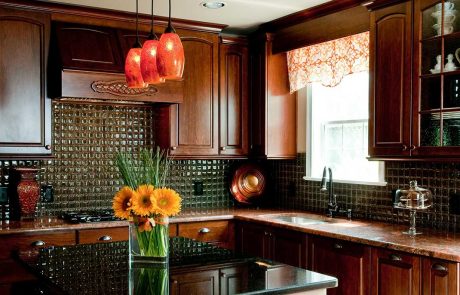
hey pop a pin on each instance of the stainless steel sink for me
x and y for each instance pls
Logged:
(297, 220)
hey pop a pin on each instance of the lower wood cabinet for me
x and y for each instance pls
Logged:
(285, 246)
(233, 280)
(440, 277)
(348, 262)
(195, 283)
(394, 273)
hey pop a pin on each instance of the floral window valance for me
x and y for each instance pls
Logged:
(328, 62)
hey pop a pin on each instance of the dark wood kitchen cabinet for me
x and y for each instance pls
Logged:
(220, 233)
(394, 273)
(348, 262)
(280, 245)
(273, 109)
(234, 103)
(440, 277)
(25, 110)
(203, 282)
(390, 69)
(191, 128)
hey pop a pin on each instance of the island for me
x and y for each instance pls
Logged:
(194, 268)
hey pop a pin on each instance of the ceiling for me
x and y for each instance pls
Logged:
(241, 16)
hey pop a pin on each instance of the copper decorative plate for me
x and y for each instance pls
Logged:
(248, 183)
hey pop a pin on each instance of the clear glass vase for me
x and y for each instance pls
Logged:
(148, 279)
(149, 240)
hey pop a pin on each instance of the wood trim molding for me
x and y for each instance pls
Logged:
(310, 13)
(97, 16)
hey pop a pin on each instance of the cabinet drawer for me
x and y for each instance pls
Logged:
(101, 235)
(214, 231)
(10, 243)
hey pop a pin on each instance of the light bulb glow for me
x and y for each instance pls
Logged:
(170, 57)
(148, 65)
(132, 69)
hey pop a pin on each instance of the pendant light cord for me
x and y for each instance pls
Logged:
(138, 43)
(169, 21)
(151, 27)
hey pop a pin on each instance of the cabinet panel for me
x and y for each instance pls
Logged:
(390, 73)
(234, 106)
(233, 280)
(25, 111)
(289, 247)
(211, 231)
(440, 277)
(394, 273)
(253, 240)
(348, 262)
(115, 234)
(100, 50)
(197, 283)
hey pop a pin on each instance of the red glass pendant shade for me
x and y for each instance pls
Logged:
(133, 69)
(170, 56)
(149, 68)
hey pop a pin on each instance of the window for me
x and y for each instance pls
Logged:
(337, 131)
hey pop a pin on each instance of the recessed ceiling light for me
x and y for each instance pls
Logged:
(213, 4)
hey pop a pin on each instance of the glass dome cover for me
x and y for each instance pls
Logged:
(414, 198)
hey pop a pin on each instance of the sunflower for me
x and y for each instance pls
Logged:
(143, 202)
(122, 202)
(168, 201)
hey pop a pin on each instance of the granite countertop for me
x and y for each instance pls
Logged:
(104, 267)
(431, 243)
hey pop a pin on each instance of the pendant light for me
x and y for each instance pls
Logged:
(149, 68)
(133, 60)
(170, 53)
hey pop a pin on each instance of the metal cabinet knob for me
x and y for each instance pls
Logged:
(439, 267)
(105, 238)
(395, 257)
(38, 243)
(223, 148)
(204, 230)
(338, 246)
(47, 147)
(173, 148)
(404, 147)
(412, 147)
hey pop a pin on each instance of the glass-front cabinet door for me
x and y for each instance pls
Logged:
(436, 101)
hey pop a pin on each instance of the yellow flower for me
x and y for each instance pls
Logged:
(122, 202)
(143, 202)
(168, 201)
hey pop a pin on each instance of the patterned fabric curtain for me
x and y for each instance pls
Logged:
(328, 62)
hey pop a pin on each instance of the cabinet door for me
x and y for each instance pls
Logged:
(25, 110)
(217, 232)
(394, 273)
(194, 122)
(253, 240)
(98, 235)
(234, 106)
(100, 51)
(289, 247)
(390, 81)
(348, 262)
(440, 277)
(195, 283)
(233, 280)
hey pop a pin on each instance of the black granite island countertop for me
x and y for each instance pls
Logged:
(194, 268)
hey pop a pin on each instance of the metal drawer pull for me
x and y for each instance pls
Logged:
(338, 246)
(439, 267)
(395, 257)
(38, 244)
(204, 230)
(105, 238)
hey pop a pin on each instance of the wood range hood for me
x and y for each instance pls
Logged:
(88, 62)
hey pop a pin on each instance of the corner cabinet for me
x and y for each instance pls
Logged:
(25, 110)
(273, 132)
(390, 68)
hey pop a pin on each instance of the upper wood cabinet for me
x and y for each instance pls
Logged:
(203, 126)
(390, 69)
(25, 110)
(348, 262)
(273, 109)
(234, 103)
(89, 62)
(394, 273)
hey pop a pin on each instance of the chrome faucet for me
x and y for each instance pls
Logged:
(332, 206)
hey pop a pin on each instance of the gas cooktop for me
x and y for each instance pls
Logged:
(88, 216)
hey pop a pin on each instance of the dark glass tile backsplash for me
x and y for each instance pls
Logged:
(83, 173)
(374, 202)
